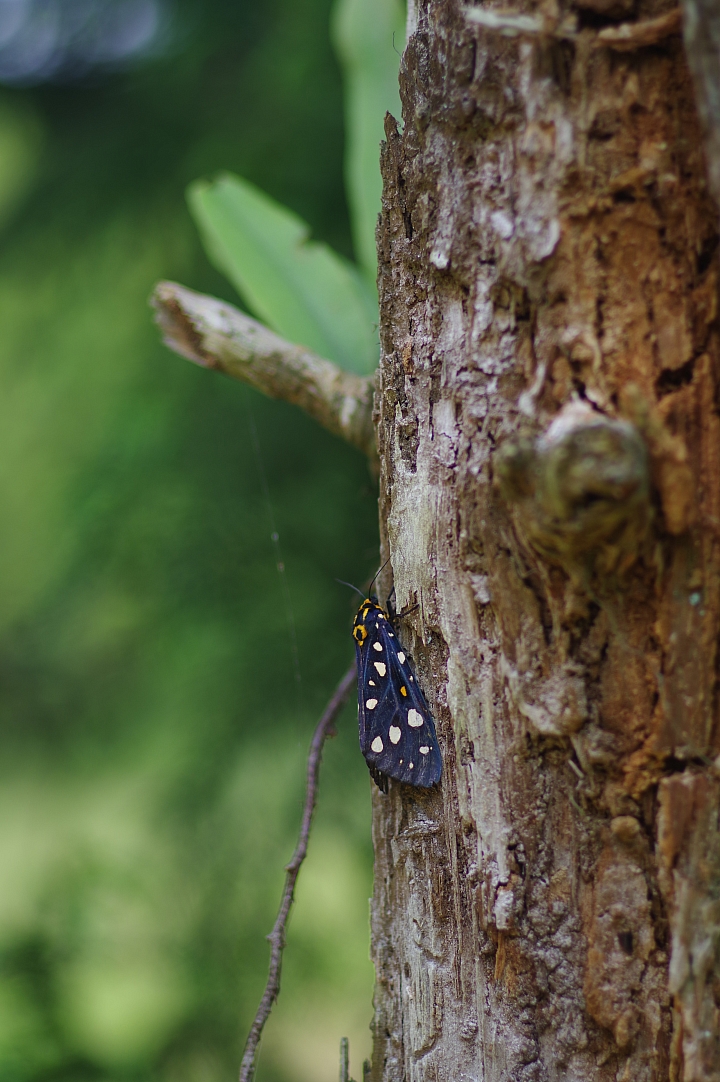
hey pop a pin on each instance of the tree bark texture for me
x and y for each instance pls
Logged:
(702, 40)
(547, 419)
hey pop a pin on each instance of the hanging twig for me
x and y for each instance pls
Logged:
(277, 936)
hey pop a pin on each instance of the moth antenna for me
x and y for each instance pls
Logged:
(343, 583)
(377, 573)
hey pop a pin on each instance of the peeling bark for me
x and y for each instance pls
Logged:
(550, 504)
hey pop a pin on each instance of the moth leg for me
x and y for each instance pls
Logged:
(378, 777)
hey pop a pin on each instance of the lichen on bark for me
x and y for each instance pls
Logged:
(547, 244)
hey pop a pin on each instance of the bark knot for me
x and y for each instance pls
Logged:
(580, 491)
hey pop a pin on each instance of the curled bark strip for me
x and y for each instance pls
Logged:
(216, 335)
(638, 35)
(624, 38)
(277, 936)
(513, 24)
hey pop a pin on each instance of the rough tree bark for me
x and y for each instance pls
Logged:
(547, 412)
(701, 28)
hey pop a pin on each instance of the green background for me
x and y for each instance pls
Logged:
(153, 733)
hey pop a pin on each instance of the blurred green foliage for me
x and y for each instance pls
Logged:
(301, 289)
(369, 36)
(153, 739)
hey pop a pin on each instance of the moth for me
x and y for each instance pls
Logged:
(397, 732)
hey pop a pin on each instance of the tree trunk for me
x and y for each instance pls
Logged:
(550, 504)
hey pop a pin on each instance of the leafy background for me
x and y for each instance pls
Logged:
(153, 733)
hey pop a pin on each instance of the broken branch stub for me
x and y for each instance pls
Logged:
(217, 335)
(581, 491)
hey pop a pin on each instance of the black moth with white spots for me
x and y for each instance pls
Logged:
(397, 733)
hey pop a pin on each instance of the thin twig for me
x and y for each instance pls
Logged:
(217, 335)
(344, 1060)
(277, 936)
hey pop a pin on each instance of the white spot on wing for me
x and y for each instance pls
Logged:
(424, 749)
(372, 703)
(380, 666)
(395, 734)
(377, 646)
(377, 744)
(414, 719)
(371, 683)
(411, 765)
(401, 656)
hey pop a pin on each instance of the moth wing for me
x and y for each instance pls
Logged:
(376, 703)
(421, 748)
(397, 733)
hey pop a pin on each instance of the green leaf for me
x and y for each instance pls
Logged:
(369, 36)
(300, 288)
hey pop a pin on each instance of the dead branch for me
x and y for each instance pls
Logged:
(277, 936)
(216, 335)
